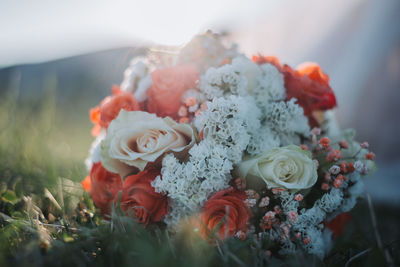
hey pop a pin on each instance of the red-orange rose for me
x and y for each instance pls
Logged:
(308, 83)
(169, 84)
(86, 183)
(338, 224)
(104, 187)
(110, 107)
(140, 200)
(225, 211)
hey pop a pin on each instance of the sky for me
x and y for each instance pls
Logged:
(35, 31)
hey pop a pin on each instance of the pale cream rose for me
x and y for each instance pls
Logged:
(287, 167)
(136, 138)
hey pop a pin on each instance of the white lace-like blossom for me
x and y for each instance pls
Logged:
(192, 183)
(288, 202)
(354, 192)
(309, 221)
(249, 69)
(270, 86)
(262, 141)
(227, 79)
(137, 79)
(178, 211)
(227, 125)
(230, 122)
(287, 120)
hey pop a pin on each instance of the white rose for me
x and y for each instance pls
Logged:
(287, 167)
(136, 138)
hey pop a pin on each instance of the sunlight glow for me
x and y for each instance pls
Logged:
(33, 31)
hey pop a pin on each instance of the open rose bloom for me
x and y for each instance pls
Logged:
(236, 145)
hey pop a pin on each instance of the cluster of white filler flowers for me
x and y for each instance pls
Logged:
(246, 114)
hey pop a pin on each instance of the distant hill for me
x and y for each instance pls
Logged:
(87, 77)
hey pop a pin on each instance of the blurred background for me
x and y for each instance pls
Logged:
(58, 59)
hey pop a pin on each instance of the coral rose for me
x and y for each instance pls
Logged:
(140, 200)
(169, 84)
(104, 187)
(226, 213)
(110, 107)
(308, 84)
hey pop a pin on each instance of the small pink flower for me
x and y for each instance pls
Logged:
(298, 197)
(324, 141)
(182, 112)
(277, 209)
(304, 147)
(343, 167)
(350, 167)
(316, 131)
(344, 144)
(240, 184)
(334, 155)
(293, 216)
(264, 202)
(325, 186)
(197, 112)
(338, 182)
(370, 156)
(277, 190)
(269, 216)
(306, 241)
(241, 235)
(184, 120)
(190, 101)
(327, 176)
(364, 145)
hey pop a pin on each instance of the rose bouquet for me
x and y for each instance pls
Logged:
(231, 146)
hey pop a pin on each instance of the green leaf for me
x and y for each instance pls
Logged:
(10, 197)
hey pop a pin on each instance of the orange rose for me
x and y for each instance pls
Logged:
(169, 84)
(140, 199)
(110, 107)
(86, 183)
(225, 211)
(308, 84)
(104, 187)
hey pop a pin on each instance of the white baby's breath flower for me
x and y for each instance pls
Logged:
(133, 75)
(248, 69)
(358, 166)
